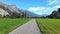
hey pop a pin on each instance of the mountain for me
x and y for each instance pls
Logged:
(31, 14)
(12, 8)
(44, 15)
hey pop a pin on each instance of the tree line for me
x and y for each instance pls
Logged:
(13, 14)
(55, 14)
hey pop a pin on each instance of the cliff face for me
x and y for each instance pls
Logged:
(8, 9)
(3, 12)
(3, 9)
(13, 8)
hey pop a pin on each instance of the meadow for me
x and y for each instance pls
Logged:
(49, 26)
(7, 25)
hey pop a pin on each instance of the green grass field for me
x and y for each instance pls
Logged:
(7, 25)
(49, 26)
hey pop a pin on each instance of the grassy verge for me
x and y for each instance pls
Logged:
(7, 25)
(49, 26)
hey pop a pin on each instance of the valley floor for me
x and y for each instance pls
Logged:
(7, 24)
(44, 26)
(49, 26)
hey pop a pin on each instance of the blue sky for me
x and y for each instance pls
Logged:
(36, 6)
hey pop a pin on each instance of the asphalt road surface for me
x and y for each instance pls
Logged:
(28, 28)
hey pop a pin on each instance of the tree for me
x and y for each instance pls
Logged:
(55, 14)
(7, 16)
(58, 10)
(23, 14)
(58, 13)
(15, 15)
(1, 16)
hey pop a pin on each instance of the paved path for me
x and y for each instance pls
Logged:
(28, 28)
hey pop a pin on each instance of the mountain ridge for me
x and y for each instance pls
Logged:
(13, 8)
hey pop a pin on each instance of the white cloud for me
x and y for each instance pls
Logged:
(46, 10)
(51, 2)
(43, 10)
(36, 8)
(58, 6)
